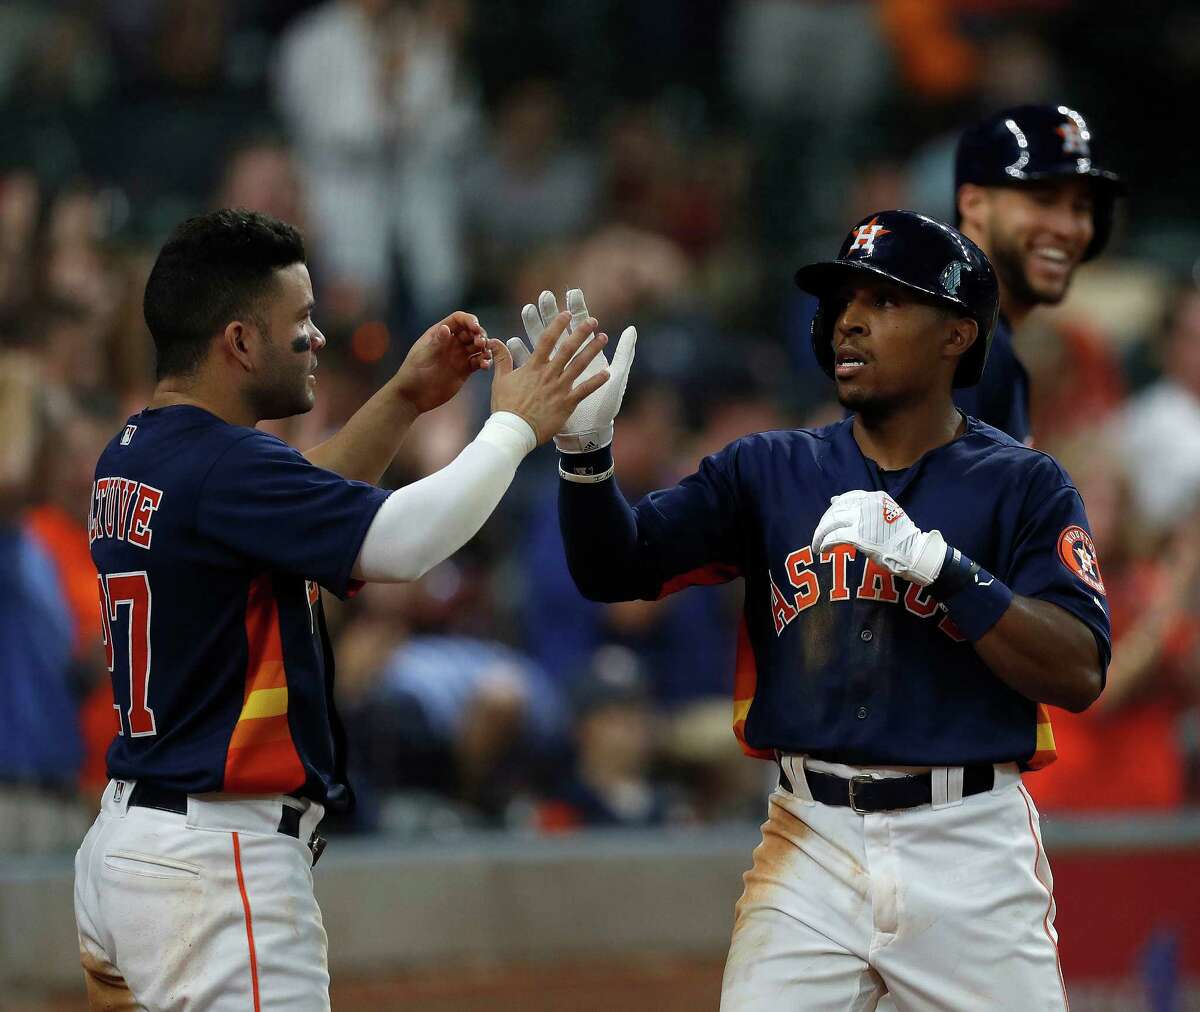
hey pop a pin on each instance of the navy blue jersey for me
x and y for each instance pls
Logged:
(839, 658)
(210, 541)
(1001, 397)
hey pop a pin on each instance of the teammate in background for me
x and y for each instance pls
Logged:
(1030, 194)
(193, 888)
(918, 584)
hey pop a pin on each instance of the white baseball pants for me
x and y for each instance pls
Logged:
(211, 910)
(948, 907)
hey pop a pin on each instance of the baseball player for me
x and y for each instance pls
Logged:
(918, 584)
(212, 539)
(1030, 193)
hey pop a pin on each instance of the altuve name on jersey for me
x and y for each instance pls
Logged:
(123, 508)
(877, 584)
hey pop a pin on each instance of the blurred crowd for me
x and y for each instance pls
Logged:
(676, 160)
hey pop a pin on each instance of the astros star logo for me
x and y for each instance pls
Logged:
(1074, 142)
(1087, 560)
(865, 236)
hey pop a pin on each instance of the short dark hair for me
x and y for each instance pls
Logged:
(213, 269)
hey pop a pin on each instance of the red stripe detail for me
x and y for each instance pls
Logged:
(705, 576)
(237, 863)
(1037, 857)
(261, 757)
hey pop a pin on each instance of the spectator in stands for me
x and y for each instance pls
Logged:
(1159, 433)
(1125, 752)
(341, 119)
(438, 705)
(40, 746)
(73, 349)
(261, 174)
(381, 131)
(59, 524)
(529, 186)
(609, 783)
(20, 197)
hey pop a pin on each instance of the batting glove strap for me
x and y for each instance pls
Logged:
(586, 468)
(973, 598)
(584, 442)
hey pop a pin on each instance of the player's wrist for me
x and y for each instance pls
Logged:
(588, 467)
(508, 432)
(584, 442)
(973, 598)
(928, 557)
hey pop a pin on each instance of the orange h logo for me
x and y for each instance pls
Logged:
(865, 236)
(1073, 141)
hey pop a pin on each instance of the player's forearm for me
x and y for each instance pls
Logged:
(426, 522)
(1045, 653)
(364, 447)
(600, 535)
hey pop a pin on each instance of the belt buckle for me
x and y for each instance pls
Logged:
(853, 782)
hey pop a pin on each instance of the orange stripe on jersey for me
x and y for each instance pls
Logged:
(262, 758)
(745, 681)
(1044, 751)
(705, 576)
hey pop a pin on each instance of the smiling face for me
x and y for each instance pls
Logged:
(892, 348)
(287, 385)
(1035, 234)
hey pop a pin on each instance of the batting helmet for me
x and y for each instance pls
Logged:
(1032, 142)
(917, 253)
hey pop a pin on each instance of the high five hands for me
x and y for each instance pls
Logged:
(590, 425)
(549, 384)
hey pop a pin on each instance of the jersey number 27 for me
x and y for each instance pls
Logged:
(125, 606)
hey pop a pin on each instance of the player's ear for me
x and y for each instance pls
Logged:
(236, 339)
(972, 201)
(961, 333)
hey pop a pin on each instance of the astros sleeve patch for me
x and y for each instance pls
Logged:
(1078, 554)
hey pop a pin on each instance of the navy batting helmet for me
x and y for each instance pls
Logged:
(917, 253)
(1028, 143)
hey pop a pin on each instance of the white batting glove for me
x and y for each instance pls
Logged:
(876, 525)
(590, 426)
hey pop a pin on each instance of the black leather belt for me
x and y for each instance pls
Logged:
(147, 795)
(878, 794)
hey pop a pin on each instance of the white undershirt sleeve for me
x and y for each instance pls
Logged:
(424, 523)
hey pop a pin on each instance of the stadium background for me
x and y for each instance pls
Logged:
(677, 160)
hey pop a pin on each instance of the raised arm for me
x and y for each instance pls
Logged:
(420, 525)
(617, 552)
(606, 558)
(433, 371)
